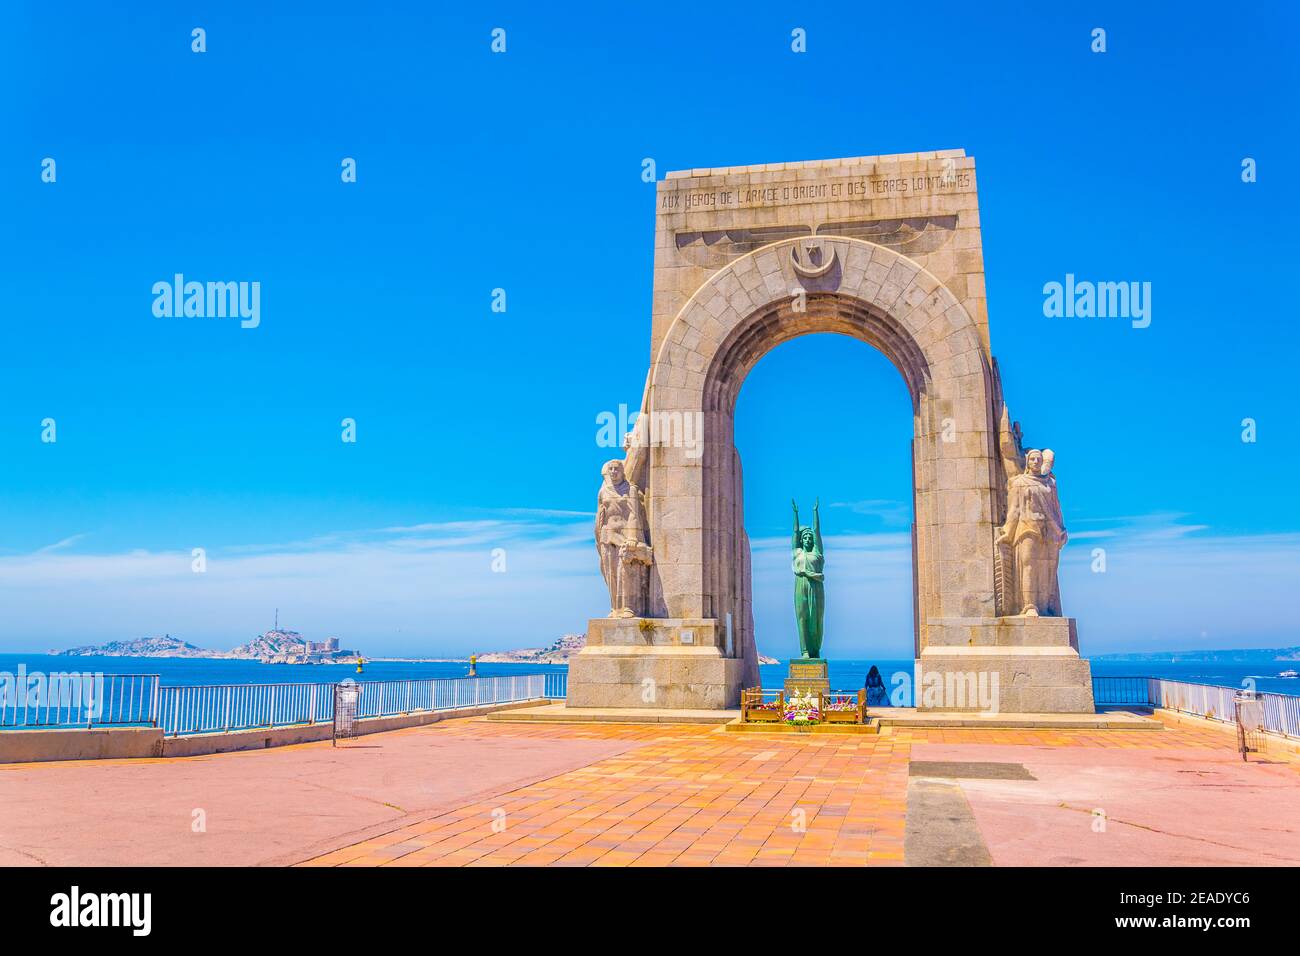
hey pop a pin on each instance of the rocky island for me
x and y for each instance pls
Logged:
(557, 653)
(165, 646)
(290, 647)
(276, 646)
(1245, 655)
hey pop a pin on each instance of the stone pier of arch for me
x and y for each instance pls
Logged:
(885, 249)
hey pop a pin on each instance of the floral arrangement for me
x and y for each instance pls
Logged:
(843, 703)
(802, 710)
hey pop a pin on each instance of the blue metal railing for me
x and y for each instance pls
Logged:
(218, 708)
(1135, 691)
(30, 700)
(557, 684)
(125, 699)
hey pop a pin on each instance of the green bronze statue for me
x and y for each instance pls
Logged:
(809, 583)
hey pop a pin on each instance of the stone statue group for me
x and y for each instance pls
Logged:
(1033, 534)
(1029, 543)
(622, 539)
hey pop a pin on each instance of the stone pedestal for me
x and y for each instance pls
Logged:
(655, 663)
(807, 675)
(1010, 665)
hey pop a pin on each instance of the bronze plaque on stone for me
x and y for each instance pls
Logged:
(809, 671)
(807, 676)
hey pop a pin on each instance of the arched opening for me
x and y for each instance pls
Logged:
(820, 415)
(702, 565)
(729, 577)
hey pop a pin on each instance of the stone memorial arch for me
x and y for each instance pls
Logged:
(885, 250)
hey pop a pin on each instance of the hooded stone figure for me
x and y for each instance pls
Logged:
(1035, 533)
(621, 540)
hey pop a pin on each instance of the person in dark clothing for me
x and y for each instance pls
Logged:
(877, 693)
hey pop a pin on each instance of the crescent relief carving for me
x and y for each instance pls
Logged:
(812, 258)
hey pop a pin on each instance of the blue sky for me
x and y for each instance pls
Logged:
(476, 429)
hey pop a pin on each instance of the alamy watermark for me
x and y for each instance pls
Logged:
(655, 429)
(977, 691)
(1074, 299)
(74, 908)
(209, 300)
(26, 692)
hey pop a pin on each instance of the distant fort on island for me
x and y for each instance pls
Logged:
(276, 646)
(273, 647)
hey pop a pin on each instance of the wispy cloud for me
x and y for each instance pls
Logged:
(1163, 524)
(59, 545)
(1167, 582)
(888, 511)
(426, 588)
(430, 588)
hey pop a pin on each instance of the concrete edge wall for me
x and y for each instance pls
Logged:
(73, 743)
(196, 745)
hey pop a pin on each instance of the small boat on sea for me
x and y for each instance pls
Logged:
(1289, 674)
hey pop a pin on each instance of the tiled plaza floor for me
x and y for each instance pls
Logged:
(482, 793)
(687, 795)
(698, 796)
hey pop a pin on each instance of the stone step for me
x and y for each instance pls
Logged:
(561, 713)
(1106, 720)
(776, 727)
